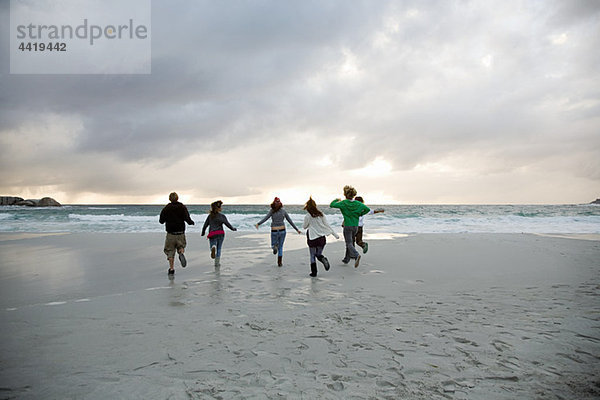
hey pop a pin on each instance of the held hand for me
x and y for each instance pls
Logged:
(256, 226)
(299, 232)
(234, 229)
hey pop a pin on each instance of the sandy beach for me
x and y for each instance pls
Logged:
(430, 316)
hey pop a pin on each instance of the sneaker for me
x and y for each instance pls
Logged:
(213, 252)
(313, 275)
(365, 248)
(182, 260)
(171, 272)
(356, 262)
(345, 261)
(275, 248)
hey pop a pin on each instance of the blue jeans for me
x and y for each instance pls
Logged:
(277, 239)
(217, 241)
(315, 253)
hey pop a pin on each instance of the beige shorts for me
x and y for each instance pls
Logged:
(174, 243)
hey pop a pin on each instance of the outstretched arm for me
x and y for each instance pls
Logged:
(326, 223)
(226, 222)
(205, 225)
(287, 216)
(269, 214)
(188, 219)
(306, 223)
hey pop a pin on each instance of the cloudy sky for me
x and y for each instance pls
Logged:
(409, 101)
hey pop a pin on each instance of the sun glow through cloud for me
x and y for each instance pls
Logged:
(377, 168)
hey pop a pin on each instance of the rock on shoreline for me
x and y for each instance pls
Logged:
(597, 201)
(19, 201)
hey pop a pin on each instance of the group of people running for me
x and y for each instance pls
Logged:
(175, 215)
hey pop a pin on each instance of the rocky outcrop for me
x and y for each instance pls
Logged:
(28, 203)
(48, 202)
(9, 200)
(597, 201)
(19, 201)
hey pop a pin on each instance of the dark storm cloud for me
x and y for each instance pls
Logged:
(214, 64)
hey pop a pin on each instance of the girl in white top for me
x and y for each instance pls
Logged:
(317, 228)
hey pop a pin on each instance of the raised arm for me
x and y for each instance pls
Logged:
(364, 210)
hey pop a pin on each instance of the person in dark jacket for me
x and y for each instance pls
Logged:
(174, 215)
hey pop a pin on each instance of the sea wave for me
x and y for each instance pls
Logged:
(403, 219)
(102, 218)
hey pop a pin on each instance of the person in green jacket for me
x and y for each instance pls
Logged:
(351, 210)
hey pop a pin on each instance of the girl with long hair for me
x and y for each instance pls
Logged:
(278, 215)
(216, 235)
(317, 228)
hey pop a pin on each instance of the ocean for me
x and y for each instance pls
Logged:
(397, 219)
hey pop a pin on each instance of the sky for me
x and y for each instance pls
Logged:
(411, 102)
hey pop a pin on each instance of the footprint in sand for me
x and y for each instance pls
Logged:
(465, 341)
(500, 345)
(265, 376)
(384, 384)
(336, 386)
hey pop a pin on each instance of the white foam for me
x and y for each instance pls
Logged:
(112, 218)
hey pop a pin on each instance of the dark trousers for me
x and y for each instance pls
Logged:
(349, 238)
(359, 239)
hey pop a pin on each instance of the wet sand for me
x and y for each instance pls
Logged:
(441, 316)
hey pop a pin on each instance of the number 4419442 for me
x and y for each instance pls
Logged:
(43, 46)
